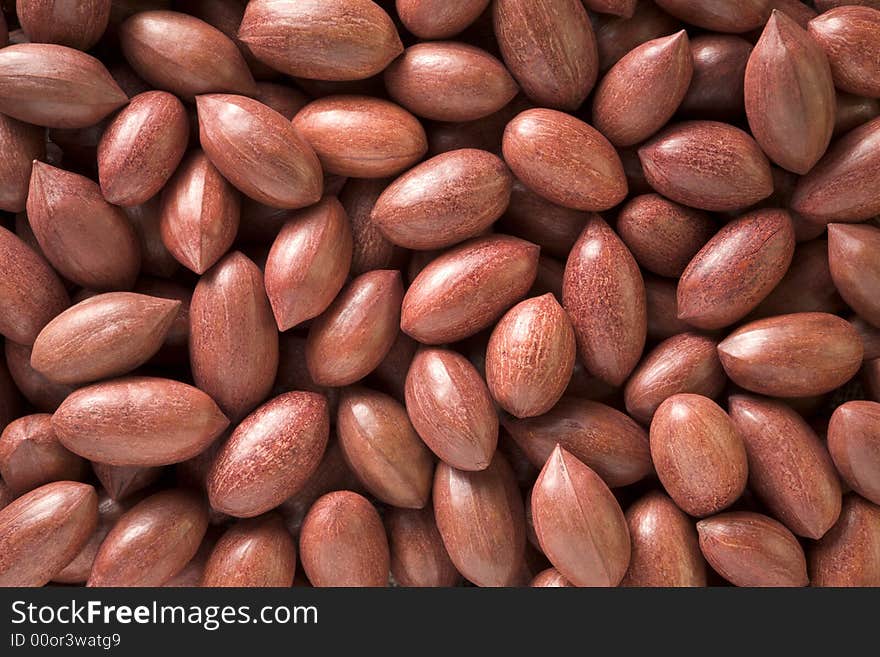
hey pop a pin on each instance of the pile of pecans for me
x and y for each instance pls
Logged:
(350, 293)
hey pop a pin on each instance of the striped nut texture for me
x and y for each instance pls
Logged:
(579, 523)
(141, 148)
(849, 554)
(604, 295)
(665, 548)
(321, 39)
(184, 55)
(792, 355)
(199, 214)
(77, 25)
(606, 440)
(853, 251)
(707, 165)
(447, 199)
(741, 16)
(467, 288)
(308, 263)
(37, 389)
(41, 531)
(384, 450)
(418, 556)
(155, 257)
(138, 421)
(233, 339)
(56, 86)
(618, 35)
(789, 468)
(564, 160)
(31, 293)
(353, 336)
(270, 455)
(30, 455)
(86, 239)
(849, 37)
(451, 409)
(699, 454)
(122, 481)
(687, 362)
(79, 568)
(481, 518)
(259, 151)
(449, 81)
(717, 86)
(643, 90)
(21, 144)
(530, 357)
(854, 443)
(152, 542)
(361, 137)
(255, 552)
(736, 269)
(750, 549)
(549, 49)
(438, 19)
(550, 578)
(104, 336)
(343, 543)
(370, 248)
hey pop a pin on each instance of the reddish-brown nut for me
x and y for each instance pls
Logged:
(564, 160)
(451, 409)
(685, 363)
(37, 389)
(259, 151)
(449, 81)
(579, 523)
(152, 542)
(184, 55)
(233, 339)
(254, 552)
(177, 339)
(603, 438)
(30, 455)
(10, 398)
(31, 293)
(530, 357)
(155, 258)
(699, 454)
(142, 147)
(321, 39)
(618, 35)
(789, 469)
(624, 8)
(370, 248)
(741, 16)
(871, 379)
(271, 455)
(80, 567)
(750, 549)
(191, 575)
(827, 5)
(532, 217)
(848, 35)
(794, 355)
(138, 421)
(663, 236)
(853, 251)
(384, 450)
(78, 25)
(343, 543)
(840, 188)
(849, 554)
(854, 444)
(481, 519)
(789, 95)
(468, 288)
(449, 198)
(418, 556)
(716, 90)
(438, 19)
(870, 336)
(853, 111)
(21, 145)
(199, 215)
(604, 295)
(284, 99)
(104, 336)
(361, 137)
(56, 86)
(799, 12)
(122, 481)
(41, 531)
(85, 238)
(549, 49)
(627, 113)
(549, 578)
(308, 263)
(736, 269)
(806, 287)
